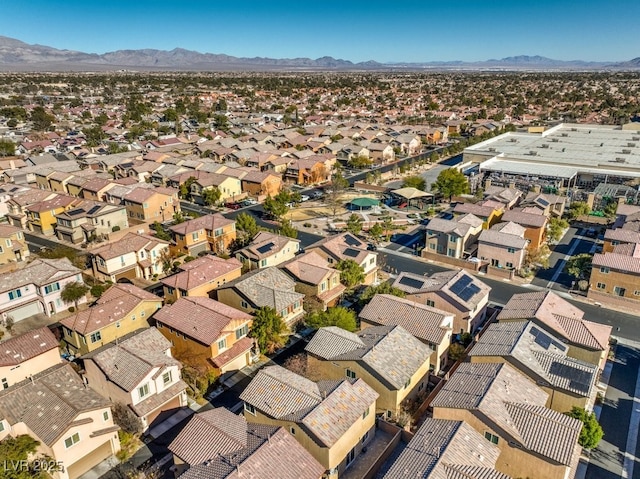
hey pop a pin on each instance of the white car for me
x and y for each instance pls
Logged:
(304, 198)
(251, 201)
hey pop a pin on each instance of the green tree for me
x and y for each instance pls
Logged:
(577, 209)
(451, 182)
(287, 229)
(351, 273)
(341, 317)
(73, 292)
(274, 207)
(382, 288)
(591, 432)
(415, 182)
(78, 259)
(579, 266)
(170, 114)
(41, 119)
(434, 157)
(185, 188)
(339, 184)
(376, 232)
(388, 227)
(7, 148)
(94, 135)
(268, 329)
(354, 224)
(124, 417)
(247, 224)
(537, 257)
(211, 196)
(359, 161)
(456, 352)
(556, 227)
(15, 450)
(160, 232)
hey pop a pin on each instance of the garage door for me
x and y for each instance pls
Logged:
(96, 457)
(129, 274)
(25, 311)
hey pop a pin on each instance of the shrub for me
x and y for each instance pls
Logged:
(72, 309)
(115, 228)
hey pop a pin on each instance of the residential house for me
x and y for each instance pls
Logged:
(615, 275)
(95, 189)
(218, 444)
(346, 246)
(509, 197)
(619, 236)
(90, 220)
(206, 332)
(489, 214)
(132, 256)
(332, 420)
(268, 249)
(259, 183)
(268, 287)
(200, 277)
(388, 358)
(535, 226)
(36, 288)
(19, 201)
(502, 250)
(228, 186)
(206, 233)
(314, 278)
(311, 170)
(72, 423)
(26, 355)
(509, 411)
(447, 449)
(451, 238)
(430, 325)
(587, 341)
(456, 292)
(121, 309)
(551, 205)
(13, 247)
(41, 217)
(543, 359)
(157, 204)
(138, 372)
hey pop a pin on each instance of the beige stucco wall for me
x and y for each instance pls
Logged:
(15, 374)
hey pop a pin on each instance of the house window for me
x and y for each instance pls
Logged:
(118, 324)
(249, 408)
(142, 314)
(166, 378)
(511, 250)
(365, 437)
(292, 430)
(491, 437)
(636, 292)
(619, 291)
(432, 246)
(372, 260)
(323, 286)
(218, 232)
(95, 337)
(15, 294)
(222, 344)
(351, 456)
(1, 426)
(330, 260)
(431, 303)
(350, 374)
(408, 383)
(242, 332)
(5, 383)
(71, 440)
(604, 269)
(244, 304)
(194, 236)
(263, 263)
(365, 413)
(453, 239)
(451, 252)
(601, 285)
(143, 391)
(509, 265)
(105, 416)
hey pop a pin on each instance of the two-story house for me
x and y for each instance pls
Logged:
(218, 443)
(36, 288)
(41, 217)
(456, 292)
(346, 246)
(314, 278)
(139, 372)
(261, 183)
(13, 247)
(228, 186)
(615, 275)
(89, 220)
(264, 287)
(72, 423)
(122, 309)
(509, 410)
(333, 420)
(26, 355)
(490, 213)
(132, 256)
(147, 204)
(268, 249)
(535, 225)
(501, 249)
(451, 238)
(206, 332)
(201, 277)
(206, 233)
(19, 201)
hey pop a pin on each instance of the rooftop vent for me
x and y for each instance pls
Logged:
(626, 152)
(533, 153)
(554, 140)
(544, 145)
(565, 134)
(631, 145)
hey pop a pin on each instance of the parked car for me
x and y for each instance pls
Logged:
(305, 197)
(372, 247)
(248, 202)
(233, 206)
(316, 194)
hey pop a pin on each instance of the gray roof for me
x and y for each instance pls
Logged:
(514, 407)
(266, 287)
(39, 272)
(441, 225)
(496, 238)
(49, 402)
(390, 353)
(326, 409)
(443, 449)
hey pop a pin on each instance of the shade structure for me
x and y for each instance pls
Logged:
(411, 193)
(363, 203)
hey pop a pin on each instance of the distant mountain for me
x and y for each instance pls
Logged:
(16, 55)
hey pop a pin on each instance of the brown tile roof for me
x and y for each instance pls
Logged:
(208, 222)
(154, 401)
(479, 211)
(560, 316)
(505, 240)
(202, 319)
(265, 244)
(622, 235)
(525, 219)
(239, 347)
(621, 262)
(21, 348)
(310, 268)
(131, 242)
(7, 231)
(206, 269)
(441, 225)
(39, 272)
(343, 246)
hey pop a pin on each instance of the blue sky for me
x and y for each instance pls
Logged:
(385, 31)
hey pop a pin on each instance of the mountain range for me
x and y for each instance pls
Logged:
(16, 55)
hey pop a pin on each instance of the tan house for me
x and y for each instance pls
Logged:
(509, 411)
(206, 332)
(200, 277)
(346, 246)
(78, 431)
(307, 171)
(543, 359)
(334, 421)
(41, 217)
(490, 214)
(132, 256)
(96, 188)
(615, 276)
(430, 325)
(13, 247)
(456, 292)
(261, 183)
(388, 358)
(502, 250)
(535, 225)
(451, 238)
(26, 355)
(264, 287)
(228, 186)
(122, 309)
(206, 233)
(268, 249)
(152, 204)
(139, 372)
(314, 278)
(205, 444)
(587, 341)
(90, 220)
